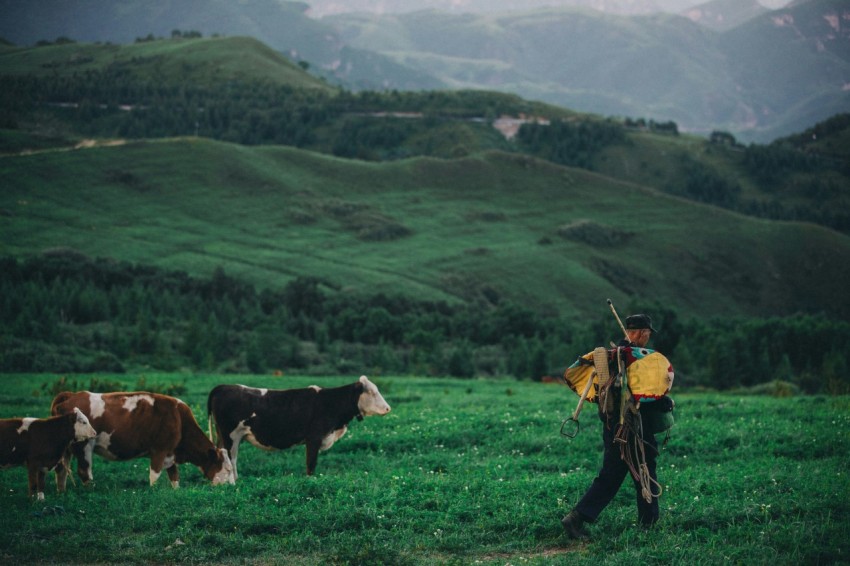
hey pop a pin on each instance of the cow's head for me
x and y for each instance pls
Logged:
(371, 402)
(83, 430)
(221, 470)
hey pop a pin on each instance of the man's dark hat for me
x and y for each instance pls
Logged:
(639, 322)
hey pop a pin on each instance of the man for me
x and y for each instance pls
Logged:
(615, 436)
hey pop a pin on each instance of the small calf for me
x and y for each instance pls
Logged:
(40, 444)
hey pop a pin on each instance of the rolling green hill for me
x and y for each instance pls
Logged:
(282, 25)
(196, 61)
(446, 247)
(494, 220)
(494, 224)
(238, 90)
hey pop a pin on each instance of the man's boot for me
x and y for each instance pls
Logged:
(574, 525)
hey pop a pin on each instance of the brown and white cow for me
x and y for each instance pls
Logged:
(274, 419)
(133, 425)
(40, 444)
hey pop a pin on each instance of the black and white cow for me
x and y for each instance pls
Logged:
(274, 419)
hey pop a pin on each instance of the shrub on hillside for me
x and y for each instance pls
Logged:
(593, 233)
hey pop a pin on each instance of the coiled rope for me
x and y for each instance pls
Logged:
(633, 453)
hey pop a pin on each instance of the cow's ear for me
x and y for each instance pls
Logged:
(364, 380)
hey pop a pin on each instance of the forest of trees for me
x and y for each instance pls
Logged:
(113, 103)
(63, 312)
(567, 143)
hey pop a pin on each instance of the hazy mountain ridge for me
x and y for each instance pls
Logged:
(320, 8)
(660, 66)
(761, 80)
(809, 33)
(722, 15)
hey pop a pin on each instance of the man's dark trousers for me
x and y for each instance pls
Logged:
(611, 476)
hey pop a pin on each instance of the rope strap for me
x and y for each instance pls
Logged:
(632, 451)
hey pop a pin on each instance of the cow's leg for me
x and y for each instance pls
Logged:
(173, 474)
(157, 463)
(39, 480)
(35, 478)
(231, 444)
(83, 452)
(31, 479)
(313, 446)
(62, 471)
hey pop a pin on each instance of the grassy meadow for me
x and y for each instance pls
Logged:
(451, 230)
(461, 471)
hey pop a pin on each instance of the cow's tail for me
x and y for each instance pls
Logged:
(210, 419)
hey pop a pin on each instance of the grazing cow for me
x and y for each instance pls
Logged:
(40, 444)
(276, 419)
(132, 425)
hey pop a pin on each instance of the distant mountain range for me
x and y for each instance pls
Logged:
(722, 15)
(723, 65)
(319, 8)
(768, 76)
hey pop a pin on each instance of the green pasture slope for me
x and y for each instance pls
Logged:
(546, 236)
(200, 61)
(461, 471)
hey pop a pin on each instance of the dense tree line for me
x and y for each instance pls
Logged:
(63, 312)
(769, 164)
(818, 181)
(703, 183)
(115, 102)
(670, 127)
(570, 143)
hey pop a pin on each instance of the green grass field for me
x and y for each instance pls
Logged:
(460, 472)
(486, 222)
